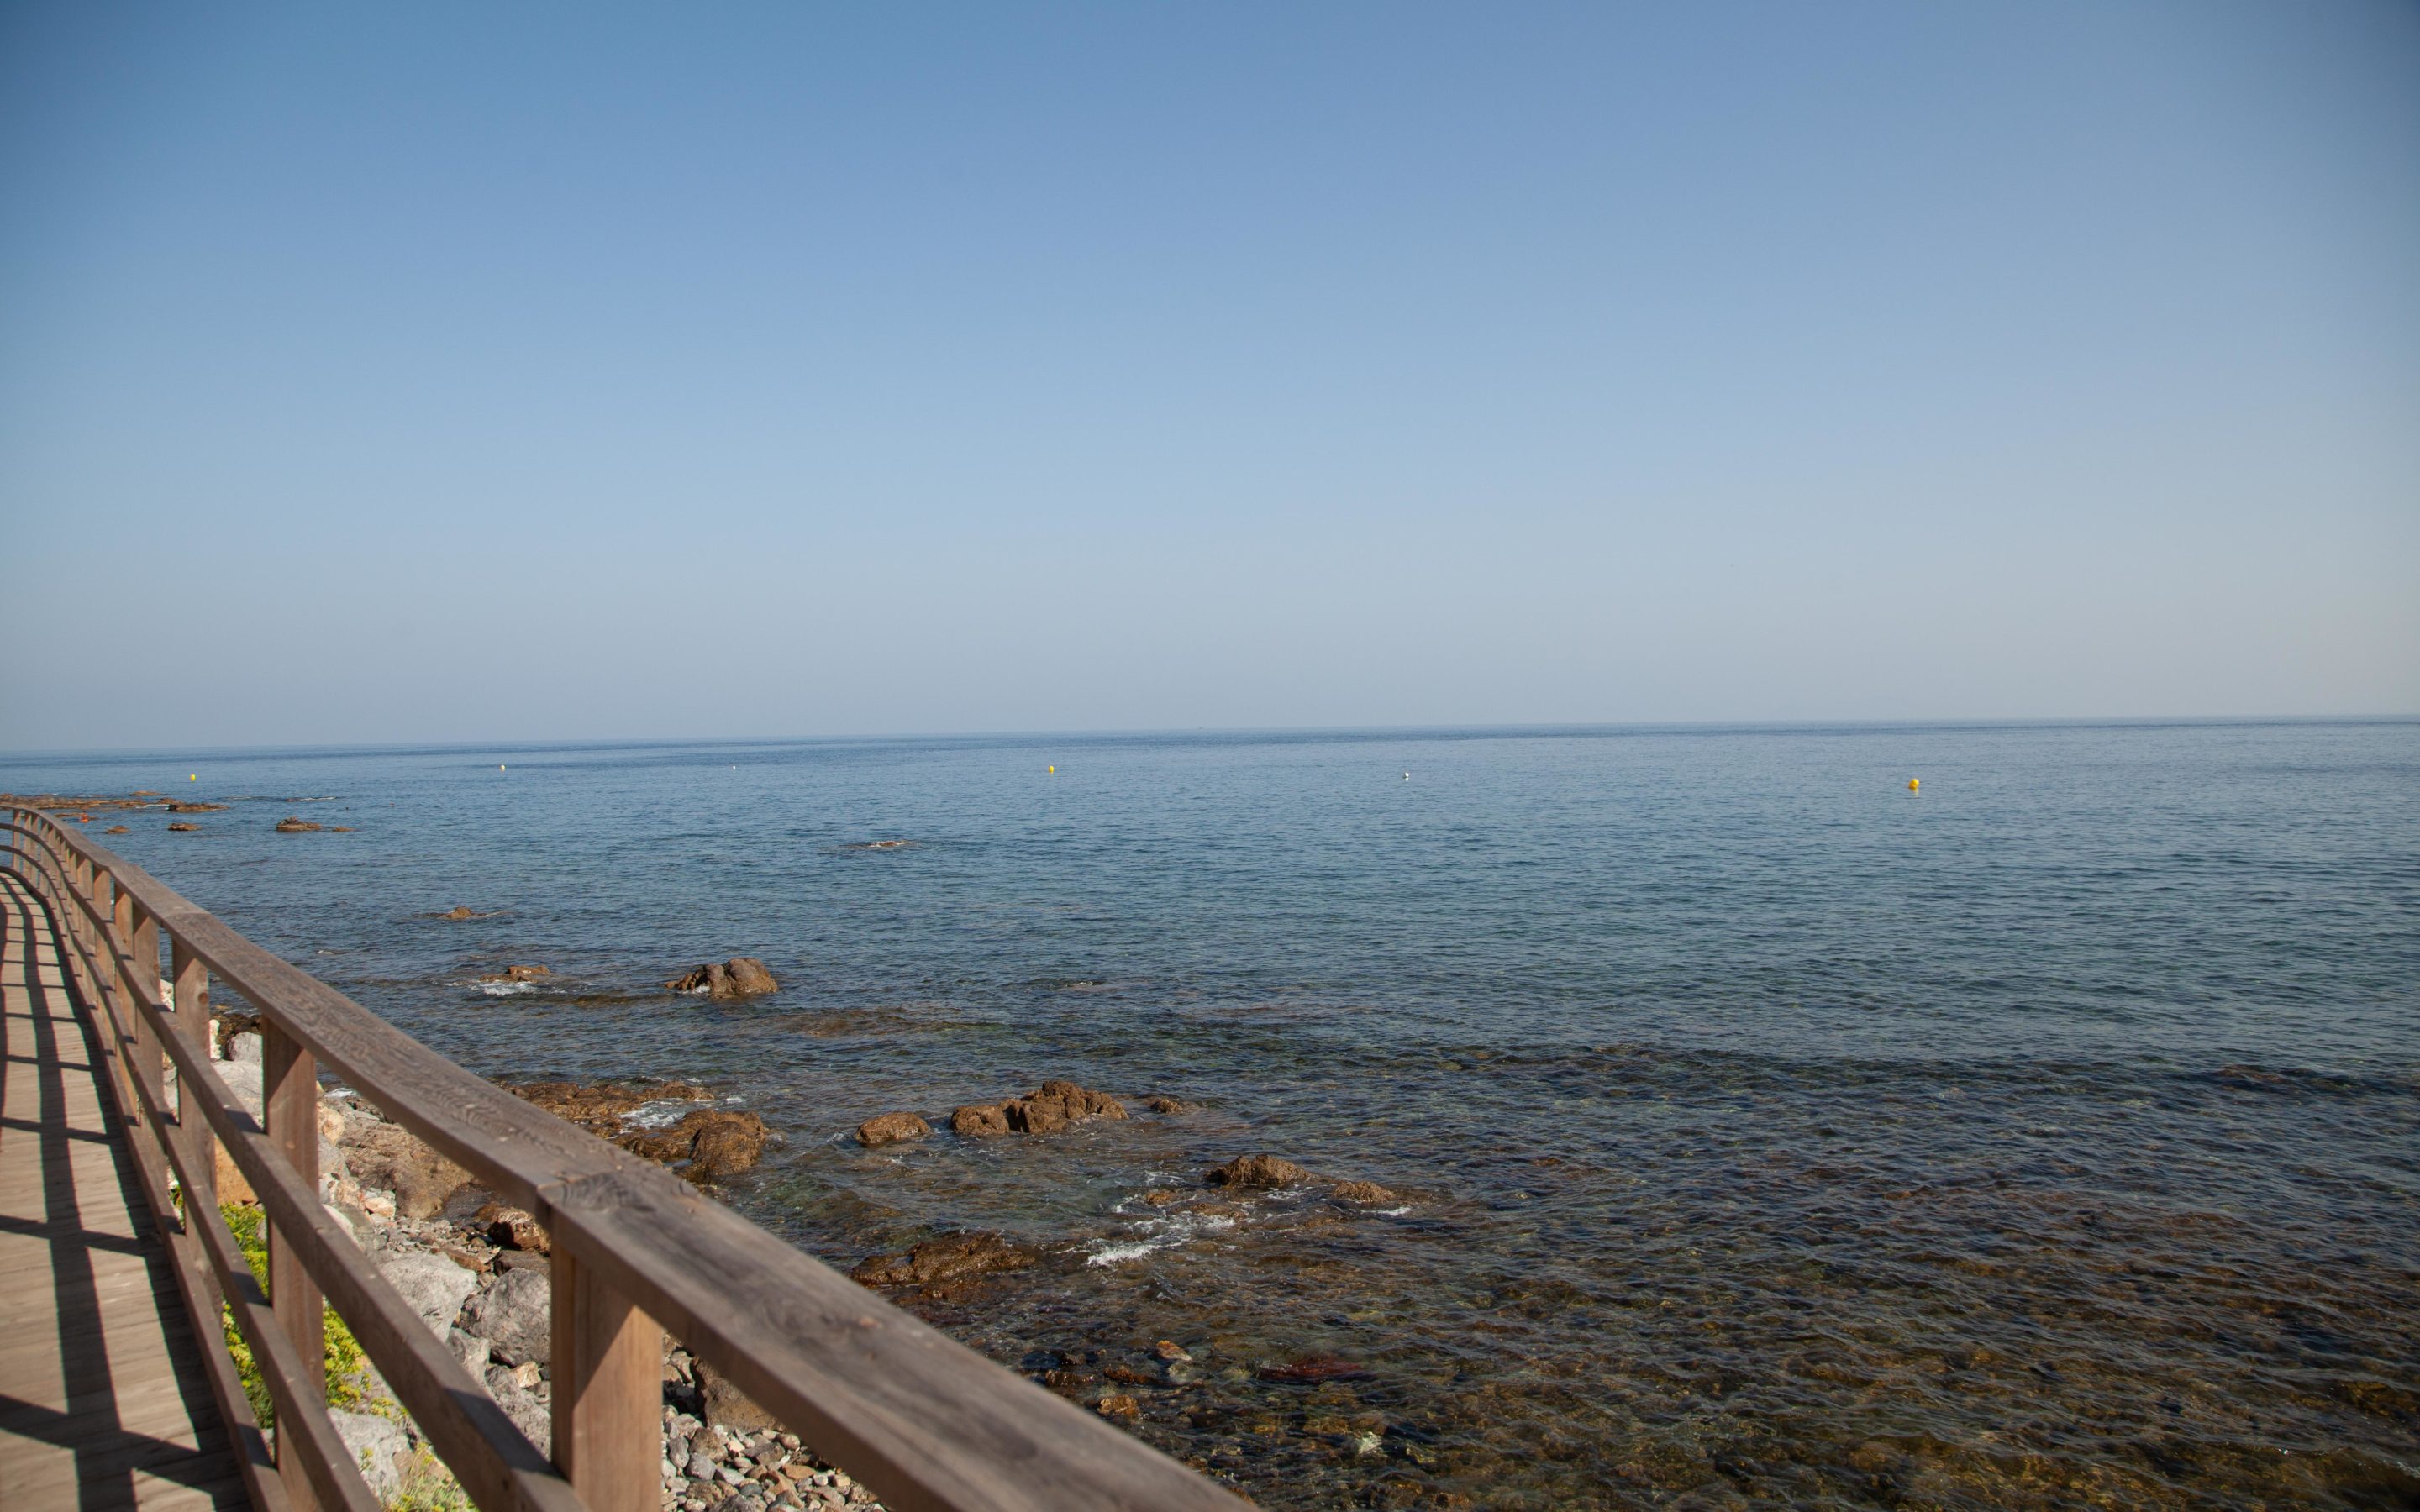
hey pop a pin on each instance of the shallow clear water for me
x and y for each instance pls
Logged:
(1767, 1132)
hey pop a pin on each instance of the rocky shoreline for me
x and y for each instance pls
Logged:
(477, 1273)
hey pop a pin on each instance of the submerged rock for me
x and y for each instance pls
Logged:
(457, 913)
(520, 973)
(1258, 1170)
(1362, 1194)
(118, 830)
(742, 976)
(291, 826)
(891, 1128)
(601, 1108)
(957, 1258)
(1312, 1369)
(184, 830)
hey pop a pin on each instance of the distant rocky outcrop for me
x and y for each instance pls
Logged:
(1258, 1170)
(742, 976)
(1053, 1107)
(457, 913)
(291, 826)
(520, 973)
(891, 1128)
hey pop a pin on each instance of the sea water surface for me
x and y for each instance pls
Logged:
(1765, 1133)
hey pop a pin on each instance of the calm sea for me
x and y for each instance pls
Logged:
(1765, 1133)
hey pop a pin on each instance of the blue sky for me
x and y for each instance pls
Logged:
(440, 373)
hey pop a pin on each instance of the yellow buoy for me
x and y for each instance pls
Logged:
(500, 766)
(1911, 784)
(195, 777)
(1054, 771)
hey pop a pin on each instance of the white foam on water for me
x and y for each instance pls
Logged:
(506, 989)
(1119, 1254)
(662, 1113)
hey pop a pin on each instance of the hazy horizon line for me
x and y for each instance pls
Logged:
(1509, 727)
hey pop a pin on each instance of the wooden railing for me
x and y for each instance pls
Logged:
(927, 1424)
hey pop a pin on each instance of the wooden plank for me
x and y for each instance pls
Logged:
(128, 1334)
(608, 1359)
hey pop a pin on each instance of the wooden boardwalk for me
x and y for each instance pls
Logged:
(102, 1398)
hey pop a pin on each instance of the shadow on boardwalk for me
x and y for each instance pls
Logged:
(102, 1400)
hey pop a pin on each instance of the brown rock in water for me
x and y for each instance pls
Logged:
(195, 808)
(118, 830)
(979, 1119)
(512, 1228)
(1058, 1104)
(520, 973)
(1258, 1170)
(386, 1154)
(715, 1142)
(186, 829)
(742, 976)
(291, 826)
(340, 830)
(1364, 1194)
(1166, 1105)
(1037, 1114)
(457, 913)
(1118, 1406)
(957, 1258)
(725, 1146)
(891, 1128)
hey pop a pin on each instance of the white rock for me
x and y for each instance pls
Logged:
(373, 1444)
(514, 1313)
(432, 1285)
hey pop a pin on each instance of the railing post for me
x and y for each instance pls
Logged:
(192, 1021)
(609, 1390)
(289, 1084)
(138, 977)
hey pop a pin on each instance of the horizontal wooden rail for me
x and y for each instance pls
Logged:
(929, 1425)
